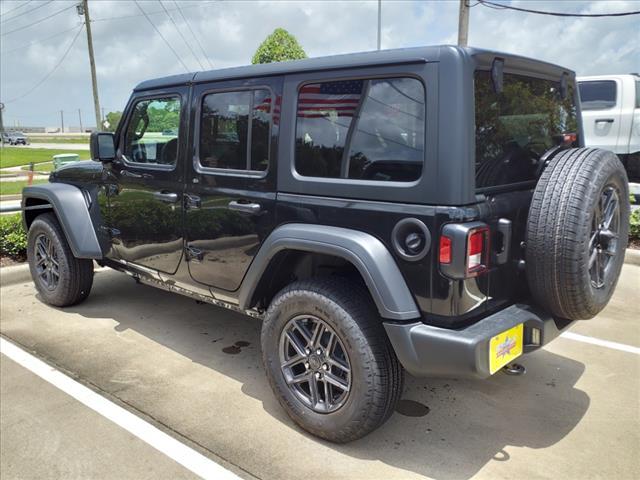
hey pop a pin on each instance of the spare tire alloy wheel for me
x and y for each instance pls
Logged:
(315, 363)
(604, 236)
(577, 232)
(46, 262)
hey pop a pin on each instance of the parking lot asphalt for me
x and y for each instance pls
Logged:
(574, 415)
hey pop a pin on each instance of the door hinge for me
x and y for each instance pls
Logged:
(191, 201)
(194, 254)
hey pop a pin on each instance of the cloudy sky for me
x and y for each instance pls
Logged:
(129, 50)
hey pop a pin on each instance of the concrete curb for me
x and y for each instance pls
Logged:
(6, 198)
(632, 256)
(15, 274)
(21, 274)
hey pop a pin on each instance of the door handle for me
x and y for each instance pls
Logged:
(168, 197)
(127, 173)
(604, 120)
(252, 208)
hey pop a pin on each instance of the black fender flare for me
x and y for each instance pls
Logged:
(70, 207)
(368, 254)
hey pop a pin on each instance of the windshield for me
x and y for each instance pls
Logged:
(516, 127)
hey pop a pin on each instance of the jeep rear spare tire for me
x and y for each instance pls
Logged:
(577, 232)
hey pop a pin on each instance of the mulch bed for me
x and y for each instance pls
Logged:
(9, 261)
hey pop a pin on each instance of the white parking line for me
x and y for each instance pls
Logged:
(602, 343)
(172, 448)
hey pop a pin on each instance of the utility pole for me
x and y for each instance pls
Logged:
(1, 124)
(62, 120)
(463, 23)
(83, 9)
(80, 118)
(379, 24)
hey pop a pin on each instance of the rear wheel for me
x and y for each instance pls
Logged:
(577, 232)
(60, 278)
(328, 359)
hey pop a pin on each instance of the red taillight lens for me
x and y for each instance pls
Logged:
(476, 249)
(569, 138)
(445, 249)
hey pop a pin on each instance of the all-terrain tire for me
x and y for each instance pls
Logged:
(75, 275)
(563, 232)
(376, 374)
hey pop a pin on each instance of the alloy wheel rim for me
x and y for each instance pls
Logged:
(603, 244)
(315, 364)
(46, 262)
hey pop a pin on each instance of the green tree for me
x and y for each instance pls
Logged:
(280, 46)
(113, 118)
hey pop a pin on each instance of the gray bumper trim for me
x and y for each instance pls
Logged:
(428, 351)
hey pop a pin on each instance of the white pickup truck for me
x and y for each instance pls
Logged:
(611, 116)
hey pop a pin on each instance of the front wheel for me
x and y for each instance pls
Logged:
(328, 359)
(60, 278)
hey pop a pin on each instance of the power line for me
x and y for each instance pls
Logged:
(181, 35)
(33, 42)
(135, 15)
(497, 6)
(192, 33)
(27, 11)
(38, 21)
(46, 77)
(161, 36)
(16, 8)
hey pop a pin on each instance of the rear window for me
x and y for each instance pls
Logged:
(361, 129)
(235, 130)
(516, 127)
(597, 95)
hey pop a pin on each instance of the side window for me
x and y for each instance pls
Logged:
(361, 129)
(597, 95)
(151, 137)
(235, 130)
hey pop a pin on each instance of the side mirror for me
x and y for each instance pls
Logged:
(103, 146)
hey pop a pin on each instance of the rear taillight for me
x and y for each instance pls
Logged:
(569, 138)
(464, 249)
(445, 250)
(477, 250)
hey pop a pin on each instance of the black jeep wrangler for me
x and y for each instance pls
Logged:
(430, 210)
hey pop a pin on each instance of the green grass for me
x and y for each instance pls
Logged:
(36, 139)
(41, 167)
(15, 188)
(17, 156)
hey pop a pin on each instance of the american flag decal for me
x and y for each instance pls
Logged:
(318, 100)
(265, 107)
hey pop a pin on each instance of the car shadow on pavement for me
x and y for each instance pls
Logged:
(448, 428)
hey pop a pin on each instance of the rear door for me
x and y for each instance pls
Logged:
(601, 104)
(231, 186)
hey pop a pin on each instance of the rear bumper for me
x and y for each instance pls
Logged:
(428, 351)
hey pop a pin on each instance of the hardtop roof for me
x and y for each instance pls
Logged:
(437, 53)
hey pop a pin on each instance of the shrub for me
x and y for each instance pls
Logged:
(634, 229)
(13, 239)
